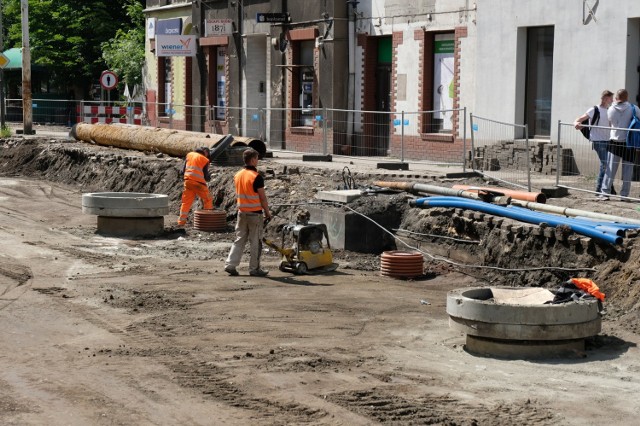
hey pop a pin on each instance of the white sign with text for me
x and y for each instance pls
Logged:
(176, 45)
(218, 27)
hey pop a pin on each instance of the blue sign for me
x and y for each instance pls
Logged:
(406, 122)
(396, 122)
(318, 118)
(169, 26)
(170, 111)
(254, 117)
(474, 127)
(272, 18)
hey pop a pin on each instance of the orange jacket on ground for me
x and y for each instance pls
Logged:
(247, 198)
(195, 167)
(588, 286)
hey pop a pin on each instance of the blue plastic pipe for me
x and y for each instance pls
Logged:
(522, 215)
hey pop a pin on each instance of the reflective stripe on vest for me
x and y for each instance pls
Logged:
(248, 200)
(194, 169)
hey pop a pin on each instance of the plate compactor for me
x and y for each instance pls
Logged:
(308, 253)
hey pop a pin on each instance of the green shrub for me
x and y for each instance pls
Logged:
(5, 132)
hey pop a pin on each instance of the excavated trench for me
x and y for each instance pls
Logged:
(518, 254)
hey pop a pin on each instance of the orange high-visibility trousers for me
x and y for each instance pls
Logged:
(191, 190)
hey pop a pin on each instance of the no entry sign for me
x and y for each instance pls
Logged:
(108, 80)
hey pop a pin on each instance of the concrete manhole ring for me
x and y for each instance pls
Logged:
(517, 330)
(125, 204)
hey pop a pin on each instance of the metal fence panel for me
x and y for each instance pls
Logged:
(420, 136)
(501, 151)
(581, 163)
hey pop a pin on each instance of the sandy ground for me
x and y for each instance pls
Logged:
(98, 330)
(109, 331)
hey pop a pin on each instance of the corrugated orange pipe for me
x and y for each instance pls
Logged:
(537, 197)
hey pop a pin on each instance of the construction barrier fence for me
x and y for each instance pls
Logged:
(438, 137)
(501, 151)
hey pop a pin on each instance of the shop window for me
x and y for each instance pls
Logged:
(164, 86)
(438, 81)
(303, 83)
(216, 82)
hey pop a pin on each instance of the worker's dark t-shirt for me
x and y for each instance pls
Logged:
(259, 180)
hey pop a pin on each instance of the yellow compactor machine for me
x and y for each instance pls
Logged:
(310, 250)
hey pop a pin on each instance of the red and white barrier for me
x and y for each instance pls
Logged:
(107, 114)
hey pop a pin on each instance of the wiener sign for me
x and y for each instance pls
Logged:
(176, 45)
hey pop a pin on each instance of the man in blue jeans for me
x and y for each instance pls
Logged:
(620, 115)
(599, 137)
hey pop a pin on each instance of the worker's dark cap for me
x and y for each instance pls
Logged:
(204, 150)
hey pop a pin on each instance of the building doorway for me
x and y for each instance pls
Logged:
(539, 79)
(383, 108)
(254, 85)
(382, 116)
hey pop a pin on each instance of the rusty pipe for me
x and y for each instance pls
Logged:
(168, 141)
(537, 197)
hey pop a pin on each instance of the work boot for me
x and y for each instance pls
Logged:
(231, 270)
(613, 190)
(258, 273)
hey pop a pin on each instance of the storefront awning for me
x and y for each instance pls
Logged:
(15, 58)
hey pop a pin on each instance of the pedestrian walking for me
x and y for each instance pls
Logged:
(196, 175)
(620, 115)
(599, 136)
(252, 207)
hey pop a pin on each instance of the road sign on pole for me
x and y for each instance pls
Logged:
(108, 80)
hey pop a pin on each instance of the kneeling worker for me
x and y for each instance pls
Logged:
(196, 175)
(252, 204)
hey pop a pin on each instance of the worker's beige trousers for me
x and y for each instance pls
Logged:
(248, 227)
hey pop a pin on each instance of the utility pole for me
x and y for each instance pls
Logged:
(27, 115)
(2, 106)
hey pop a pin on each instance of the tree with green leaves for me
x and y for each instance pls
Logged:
(124, 53)
(67, 36)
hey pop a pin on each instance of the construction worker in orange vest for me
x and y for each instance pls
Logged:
(252, 205)
(196, 175)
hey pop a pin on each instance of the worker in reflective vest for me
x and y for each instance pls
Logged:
(252, 206)
(196, 175)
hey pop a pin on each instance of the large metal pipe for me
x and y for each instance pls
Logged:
(172, 142)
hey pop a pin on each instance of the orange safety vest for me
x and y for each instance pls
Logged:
(248, 200)
(589, 286)
(194, 169)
